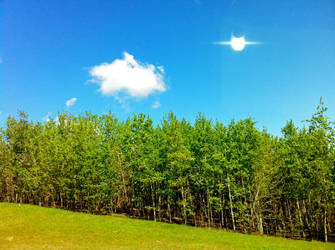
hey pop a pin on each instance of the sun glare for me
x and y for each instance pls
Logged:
(237, 43)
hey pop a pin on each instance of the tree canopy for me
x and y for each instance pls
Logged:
(209, 174)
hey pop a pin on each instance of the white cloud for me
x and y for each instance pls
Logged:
(71, 102)
(156, 105)
(128, 76)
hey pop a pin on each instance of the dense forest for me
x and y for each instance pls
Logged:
(204, 173)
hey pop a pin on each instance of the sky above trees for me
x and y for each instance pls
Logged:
(159, 56)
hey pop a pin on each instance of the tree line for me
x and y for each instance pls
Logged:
(232, 176)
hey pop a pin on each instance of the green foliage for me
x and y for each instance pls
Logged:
(235, 176)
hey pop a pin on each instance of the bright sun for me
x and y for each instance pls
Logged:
(237, 43)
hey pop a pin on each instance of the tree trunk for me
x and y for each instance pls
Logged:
(300, 219)
(260, 224)
(231, 203)
(153, 202)
(325, 225)
(222, 219)
(169, 210)
(184, 205)
(159, 207)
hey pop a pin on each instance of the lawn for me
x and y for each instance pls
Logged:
(32, 227)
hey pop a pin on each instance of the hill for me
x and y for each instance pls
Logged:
(28, 226)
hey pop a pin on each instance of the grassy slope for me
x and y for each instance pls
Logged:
(29, 226)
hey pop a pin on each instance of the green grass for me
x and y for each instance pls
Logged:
(31, 227)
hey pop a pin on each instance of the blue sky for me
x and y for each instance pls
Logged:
(49, 48)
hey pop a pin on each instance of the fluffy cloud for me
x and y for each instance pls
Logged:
(71, 102)
(128, 76)
(156, 105)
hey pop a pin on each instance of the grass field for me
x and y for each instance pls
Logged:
(31, 227)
